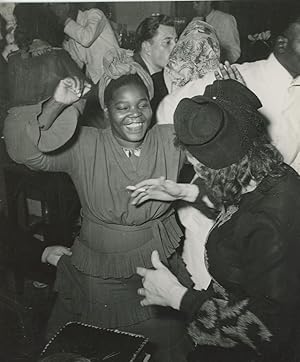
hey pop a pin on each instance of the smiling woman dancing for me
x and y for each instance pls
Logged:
(98, 284)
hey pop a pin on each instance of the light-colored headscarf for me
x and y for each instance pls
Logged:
(119, 62)
(196, 53)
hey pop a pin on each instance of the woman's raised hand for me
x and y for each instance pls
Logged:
(155, 189)
(70, 90)
(228, 71)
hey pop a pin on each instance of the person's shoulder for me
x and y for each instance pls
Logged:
(59, 53)
(90, 138)
(195, 87)
(252, 71)
(280, 195)
(91, 131)
(225, 18)
(163, 130)
(289, 184)
(223, 15)
(95, 12)
(13, 55)
(169, 103)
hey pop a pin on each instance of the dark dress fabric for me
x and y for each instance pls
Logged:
(32, 79)
(253, 300)
(98, 283)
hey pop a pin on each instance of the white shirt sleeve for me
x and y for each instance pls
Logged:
(86, 35)
(290, 145)
(167, 106)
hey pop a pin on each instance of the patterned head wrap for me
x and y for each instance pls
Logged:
(119, 62)
(196, 53)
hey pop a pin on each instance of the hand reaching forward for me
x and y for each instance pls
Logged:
(228, 71)
(160, 286)
(69, 90)
(52, 254)
(162, 190)
(155, 189)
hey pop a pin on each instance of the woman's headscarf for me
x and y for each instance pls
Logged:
(119, 62)
(196, 53)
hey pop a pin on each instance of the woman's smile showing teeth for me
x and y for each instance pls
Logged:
(130, 114)
(135, 126)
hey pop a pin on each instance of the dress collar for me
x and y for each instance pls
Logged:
(132, 151)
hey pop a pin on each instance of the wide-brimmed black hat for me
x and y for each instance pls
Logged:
(218, 127)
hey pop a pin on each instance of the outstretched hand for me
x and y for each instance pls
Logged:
(160, 286)
(155, 189)
(70, 90)
(228, 71)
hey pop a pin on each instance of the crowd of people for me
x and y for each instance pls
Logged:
(186, 167)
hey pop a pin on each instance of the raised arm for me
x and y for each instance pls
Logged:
(32, 131)
(87, 34)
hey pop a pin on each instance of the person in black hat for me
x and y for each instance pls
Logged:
(249, 310)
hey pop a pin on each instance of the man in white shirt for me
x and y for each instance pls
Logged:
(274, 81)
(90, 36)
(155, 39)
(225, 26)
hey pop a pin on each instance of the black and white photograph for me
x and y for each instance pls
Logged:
(149, 181)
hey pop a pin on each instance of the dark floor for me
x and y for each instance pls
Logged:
(35, 305)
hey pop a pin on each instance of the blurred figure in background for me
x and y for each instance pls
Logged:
(274, 80)
(36, 68)
(7, 14)
(89, 35)
(196, 53)
(34, 71)
(155, 39)
(225, 26)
